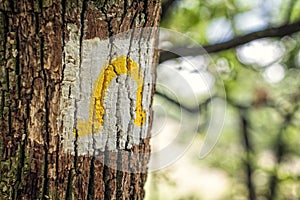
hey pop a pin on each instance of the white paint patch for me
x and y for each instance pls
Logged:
(120, 98)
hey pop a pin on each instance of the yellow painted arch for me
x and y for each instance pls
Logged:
(118, 66)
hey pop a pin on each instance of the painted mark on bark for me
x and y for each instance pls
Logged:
(107, 102)
(118, 66)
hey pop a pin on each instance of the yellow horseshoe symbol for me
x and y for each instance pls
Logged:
(118, 66)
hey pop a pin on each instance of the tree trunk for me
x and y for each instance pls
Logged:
(75, 98)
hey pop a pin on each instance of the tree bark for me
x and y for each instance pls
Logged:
(51, 51)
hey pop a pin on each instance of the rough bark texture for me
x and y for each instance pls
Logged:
(33, 162)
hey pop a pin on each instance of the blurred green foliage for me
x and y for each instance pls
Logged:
(271, 161)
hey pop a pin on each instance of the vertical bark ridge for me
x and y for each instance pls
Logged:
(59, 190)
(45, 181)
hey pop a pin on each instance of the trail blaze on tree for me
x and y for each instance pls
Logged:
(42, 54)
(119, 66)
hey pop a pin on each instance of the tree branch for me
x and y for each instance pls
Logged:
(270, 32)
